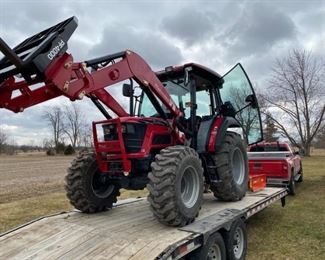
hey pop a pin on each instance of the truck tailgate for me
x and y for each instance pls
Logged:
(274, 168)
(272, 164)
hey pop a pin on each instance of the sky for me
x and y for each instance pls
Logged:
(217, 34)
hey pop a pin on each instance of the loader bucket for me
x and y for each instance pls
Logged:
(33, 56)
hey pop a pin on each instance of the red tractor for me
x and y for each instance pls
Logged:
(187, 127)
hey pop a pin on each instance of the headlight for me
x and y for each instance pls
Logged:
(123, 129)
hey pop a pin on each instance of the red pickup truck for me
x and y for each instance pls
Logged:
(281, 165)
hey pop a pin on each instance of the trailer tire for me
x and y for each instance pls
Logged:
(292, 185)
(214, 248)
(301, 172)
(236, 241)
(86, 188)
(231, 168)
(176, 185)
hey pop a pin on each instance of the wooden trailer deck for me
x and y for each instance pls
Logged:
(129, 231)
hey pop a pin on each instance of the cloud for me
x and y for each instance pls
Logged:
(151, 45)
(190, 25)
(257, 29)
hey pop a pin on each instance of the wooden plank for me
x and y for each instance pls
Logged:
(22, 240)
(56, 241)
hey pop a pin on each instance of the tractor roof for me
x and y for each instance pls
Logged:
(197, 69)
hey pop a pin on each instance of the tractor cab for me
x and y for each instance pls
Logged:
(203, 95)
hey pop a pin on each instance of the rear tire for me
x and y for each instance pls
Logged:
(176, 185)
(87, 188)
(232, 169)
(301, 172)
(236, 241)
(292, 185)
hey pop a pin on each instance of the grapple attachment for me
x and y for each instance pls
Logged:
(34, 55)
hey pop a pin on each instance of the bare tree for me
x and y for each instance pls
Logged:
(47, 143)
(295, 98)
(54, 116)
(86, 137)
(74, 121)
(247, 117)
(320, 139)
(3, 140)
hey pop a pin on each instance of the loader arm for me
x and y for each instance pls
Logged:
(64, 77)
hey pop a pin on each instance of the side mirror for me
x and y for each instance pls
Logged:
(252, 100)
(227, 109)
(127, 90)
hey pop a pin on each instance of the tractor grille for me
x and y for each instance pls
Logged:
(133, 135)
(115, 166)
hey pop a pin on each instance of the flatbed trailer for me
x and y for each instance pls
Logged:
(129, 231)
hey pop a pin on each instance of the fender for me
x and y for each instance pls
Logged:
(219, 130)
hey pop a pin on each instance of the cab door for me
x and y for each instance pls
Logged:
(238, 90)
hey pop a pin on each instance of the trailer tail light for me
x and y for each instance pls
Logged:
(183, 250)
(257, 182)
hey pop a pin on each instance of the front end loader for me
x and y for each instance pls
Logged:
(188, 126)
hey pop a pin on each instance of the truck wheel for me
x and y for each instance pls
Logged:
(301, 172)
(292, 185)
(214, 248)
(236, 241)
(176, 185)
(87, 188)
(232, 169)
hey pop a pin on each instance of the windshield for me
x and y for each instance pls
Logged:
(180, 94)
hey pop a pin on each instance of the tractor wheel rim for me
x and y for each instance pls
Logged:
(101, 186)
(190, 186)
(238, 166)
(238, 245)
(214, 252)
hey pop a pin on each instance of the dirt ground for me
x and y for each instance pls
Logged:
(25, 176)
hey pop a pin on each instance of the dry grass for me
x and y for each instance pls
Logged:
(296, 231)
(318, 152)
(32, 185)
(20, 211)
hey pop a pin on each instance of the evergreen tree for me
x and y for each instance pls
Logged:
(270, 130)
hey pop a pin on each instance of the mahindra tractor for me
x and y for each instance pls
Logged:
(184, 127)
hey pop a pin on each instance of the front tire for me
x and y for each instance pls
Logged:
(176, 185)
(232, 169)
(87, 188)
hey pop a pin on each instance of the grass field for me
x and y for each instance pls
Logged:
(32, 186)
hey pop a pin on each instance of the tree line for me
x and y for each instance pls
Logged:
(69, 131)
